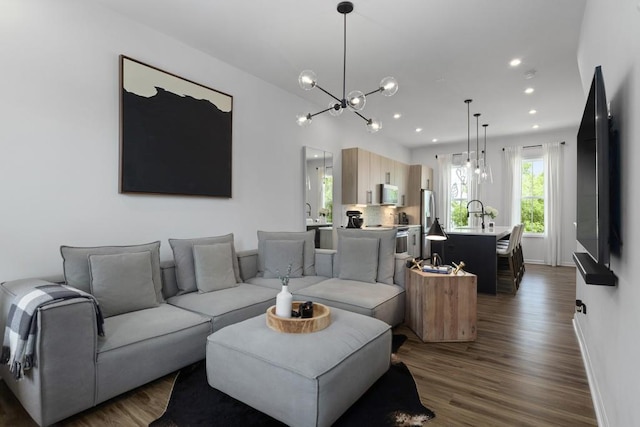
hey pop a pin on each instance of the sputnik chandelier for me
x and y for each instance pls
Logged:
(356, 99)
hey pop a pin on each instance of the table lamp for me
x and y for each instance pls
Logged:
(436, 233)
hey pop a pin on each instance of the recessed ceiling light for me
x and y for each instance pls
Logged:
(515, 62)
(418, 129)
(434, 140)
(535, 126)
(529, 90)
(397, 115)
(532, 111)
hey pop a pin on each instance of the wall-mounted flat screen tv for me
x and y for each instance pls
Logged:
(593, 192)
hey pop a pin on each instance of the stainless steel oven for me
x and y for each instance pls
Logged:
(402, 239)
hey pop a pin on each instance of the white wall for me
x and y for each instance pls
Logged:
(610, 36)
(533, 247)
(59, 141)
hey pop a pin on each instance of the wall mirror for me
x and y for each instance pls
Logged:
(318, 192)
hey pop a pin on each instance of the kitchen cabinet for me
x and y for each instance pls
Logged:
(414, 242)
(375, 178)
(388, 171)
(364, 171)
(477, 248)
(429, 178)
(357, 177)
(401, 178)
(420, 178)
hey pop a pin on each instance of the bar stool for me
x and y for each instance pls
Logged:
(507, 259)
(520, 255)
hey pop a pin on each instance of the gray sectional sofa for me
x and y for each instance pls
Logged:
(158, 315)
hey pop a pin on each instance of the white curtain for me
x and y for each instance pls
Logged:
(552, 158)
(443, 193)
(511, 184)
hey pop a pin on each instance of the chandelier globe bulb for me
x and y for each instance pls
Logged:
(356, 100)
(373, 125)
(307, 80)
(388, 86)
(304, 120)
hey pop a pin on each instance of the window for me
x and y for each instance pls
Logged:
(532, 196)
(459, 196)
(327, 197)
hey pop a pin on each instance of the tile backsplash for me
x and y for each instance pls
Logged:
(372, 215)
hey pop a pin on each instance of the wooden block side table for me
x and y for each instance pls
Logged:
(441, 307)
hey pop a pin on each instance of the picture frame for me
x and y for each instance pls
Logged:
(175, 134)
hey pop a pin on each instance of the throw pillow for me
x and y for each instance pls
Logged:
(214, 267)
(279, 254)
(386, 250)
(359, 259)
(122, 282)
(76, 263)
(309, 256)
(183, 258)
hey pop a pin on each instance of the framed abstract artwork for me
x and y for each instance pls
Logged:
(175, 134)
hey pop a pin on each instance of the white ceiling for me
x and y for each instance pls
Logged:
(440, 51)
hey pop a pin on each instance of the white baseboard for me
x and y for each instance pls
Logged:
(598, 405)
(541, 262)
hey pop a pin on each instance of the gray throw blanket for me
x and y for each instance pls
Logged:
(22, 324)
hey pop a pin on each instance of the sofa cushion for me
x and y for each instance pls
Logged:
(183, 257)
(295, 284)
(228, 306)
(122, 282)
(379, 300)
(76, 263)
(214, 267)
(309, 248)
(359, 259)
(144, 345)
(279, 254)
(386, 250)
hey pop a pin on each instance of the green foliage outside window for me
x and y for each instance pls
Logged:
(327, 188)
(459, 213)
(532, 201)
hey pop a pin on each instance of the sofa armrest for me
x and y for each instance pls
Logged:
(248, 262)
(401, 265)
(63, 380)
(324, 262)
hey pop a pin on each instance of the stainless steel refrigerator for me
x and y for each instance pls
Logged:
(427, 216)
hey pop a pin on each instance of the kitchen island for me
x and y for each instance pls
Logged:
(477, 248)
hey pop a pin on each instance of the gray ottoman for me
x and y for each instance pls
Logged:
(300, 379)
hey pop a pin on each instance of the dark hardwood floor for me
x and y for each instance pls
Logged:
(524, 369)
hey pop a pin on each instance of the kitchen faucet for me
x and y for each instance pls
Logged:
(481, 211)
(308, 210)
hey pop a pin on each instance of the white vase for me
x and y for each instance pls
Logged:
(284, 301)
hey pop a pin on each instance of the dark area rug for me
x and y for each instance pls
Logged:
(392, 401)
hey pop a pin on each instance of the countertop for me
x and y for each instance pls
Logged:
(498, 231)
(388, 227)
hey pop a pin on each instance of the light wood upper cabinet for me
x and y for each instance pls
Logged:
(420, 177)
(401, 179)
(363, 172)
(429, 178)
(376, 178)
(356, 177)
(388, 171)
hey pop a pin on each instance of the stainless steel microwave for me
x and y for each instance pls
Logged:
(388, 194)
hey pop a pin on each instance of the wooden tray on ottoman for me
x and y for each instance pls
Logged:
(296, 325)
